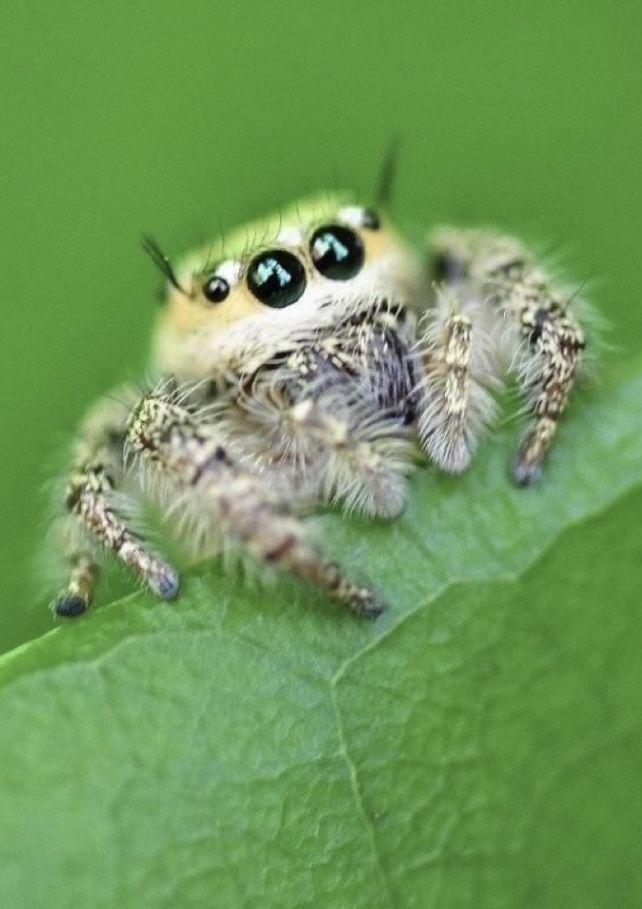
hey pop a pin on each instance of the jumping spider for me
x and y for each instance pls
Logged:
(306, 367)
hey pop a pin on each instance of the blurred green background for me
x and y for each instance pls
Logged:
(182, 118)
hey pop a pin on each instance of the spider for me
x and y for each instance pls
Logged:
(305, 360)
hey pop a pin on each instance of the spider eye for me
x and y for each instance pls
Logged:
(337, 252)
(276, 278)
(216, 289)
(370, 219)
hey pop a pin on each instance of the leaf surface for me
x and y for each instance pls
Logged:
(477, 745)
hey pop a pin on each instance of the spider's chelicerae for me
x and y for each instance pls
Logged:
(307, 360)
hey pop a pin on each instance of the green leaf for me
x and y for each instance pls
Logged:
(478, 746)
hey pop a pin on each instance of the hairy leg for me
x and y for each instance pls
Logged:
(366, 455)
(457, 379)
(192, 456)
(541, 339)
(94, 518)
(337, 441)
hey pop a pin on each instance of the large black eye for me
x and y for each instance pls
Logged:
(216, 289)
(337, 252)
(276, 278)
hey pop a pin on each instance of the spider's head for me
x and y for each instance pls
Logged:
(237, 302)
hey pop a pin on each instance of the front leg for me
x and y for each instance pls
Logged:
(365, 454)
(191, 454)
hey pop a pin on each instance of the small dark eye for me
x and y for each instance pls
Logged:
(337, 252)
(216, 289)
(276, 278)
(445, 267)
(371, 219)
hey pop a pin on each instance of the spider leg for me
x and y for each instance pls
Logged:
(455, 401)
(192, 455)
(95, 508)
(546, 374)
(367, 454)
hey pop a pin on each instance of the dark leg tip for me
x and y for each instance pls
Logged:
(525, 474)
(370, 607)
(70, 606)
(165, 584)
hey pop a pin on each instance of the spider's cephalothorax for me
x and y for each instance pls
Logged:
(305, 360)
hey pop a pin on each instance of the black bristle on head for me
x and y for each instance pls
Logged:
(161, 261)
(387, 174)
